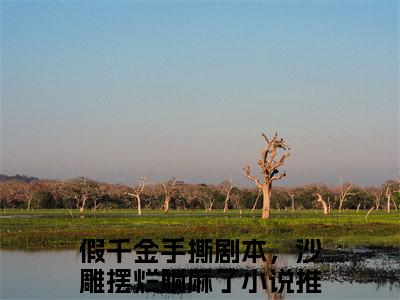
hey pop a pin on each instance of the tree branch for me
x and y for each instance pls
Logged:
(276, 177)
(246, 172)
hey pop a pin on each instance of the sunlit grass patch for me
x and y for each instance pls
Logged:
(58, 229)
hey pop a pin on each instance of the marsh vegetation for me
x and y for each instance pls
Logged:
(58, 229)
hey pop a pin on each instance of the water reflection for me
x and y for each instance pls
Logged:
(371, 274)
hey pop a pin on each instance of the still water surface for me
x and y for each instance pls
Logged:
(57, 275)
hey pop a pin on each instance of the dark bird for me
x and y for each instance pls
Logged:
(274, 171)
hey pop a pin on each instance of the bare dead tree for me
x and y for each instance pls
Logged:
(396, 193)
(229, 189)
(331, 206)
(255, 202)
(138, 191)
(292, 195)
(392, 192)
(237, 202)
(378, 195)
(82, 190)
(95, 207)
(269, 169)
(96, 194)
(358, 207)
(388, 194)
(203, 193)
(394, 204)
(170, 188)
(84, 199)
(369, 211)
(208, 202)
(324, 205)
(343, 193)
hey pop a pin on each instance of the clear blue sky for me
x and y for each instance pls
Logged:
(117, 90)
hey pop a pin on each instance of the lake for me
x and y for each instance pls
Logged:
(345, 275)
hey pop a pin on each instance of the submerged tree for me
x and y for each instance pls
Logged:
(269, 169)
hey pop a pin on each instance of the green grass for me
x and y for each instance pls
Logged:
(57, 229)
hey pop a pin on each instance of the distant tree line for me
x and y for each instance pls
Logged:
(83, 193)
(22, 178)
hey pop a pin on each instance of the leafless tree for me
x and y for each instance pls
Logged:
(392, 192)
(324, 205)
(170, 188)
(228, 190)
(397, 192)
(369, 211)
(292, 195)
(388, 194)
(255, 202)
(208, 202)
(269, 169)
(331, 206)
(375, 193)
(236, 200)
(205, 194)
(137, 192)
(82, 190)
(344, 191)
(103, 189)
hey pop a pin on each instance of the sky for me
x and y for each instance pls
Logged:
(118, 90)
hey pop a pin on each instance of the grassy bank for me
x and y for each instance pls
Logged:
(59, 229)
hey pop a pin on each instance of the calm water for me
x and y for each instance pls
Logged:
(57, 275)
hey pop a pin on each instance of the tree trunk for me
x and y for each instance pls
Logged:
(388, 196)
(166, 203)
(226, 205)
(366, 216)
(83, 203)
(139, 206)
(394, 204)
(324, 205)
(266, 202)
(378, 203)
(95, 205)
(255, 202)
